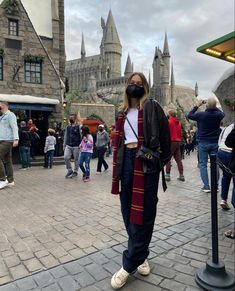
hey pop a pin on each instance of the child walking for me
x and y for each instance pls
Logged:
(49, 149)
(86, 147)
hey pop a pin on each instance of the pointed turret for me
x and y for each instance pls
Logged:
(166, 60)
(172, 76)
(196, 89)
(166, 51)
(128, 69)
(111, 48)
(172, 84)
(111, 34)
(83, 51)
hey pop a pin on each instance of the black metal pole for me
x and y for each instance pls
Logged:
(214, 212)
(214, 275)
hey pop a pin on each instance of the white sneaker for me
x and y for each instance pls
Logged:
(119, 278)
(144, 269)
(11, 184)
(3, 184)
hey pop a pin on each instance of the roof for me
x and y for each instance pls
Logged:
(221, 48)
(227, 74)
(111, 34)
(40, 13)
(13, 98)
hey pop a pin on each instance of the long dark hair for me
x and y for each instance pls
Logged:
(85, 130)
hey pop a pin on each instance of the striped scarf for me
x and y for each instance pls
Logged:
(137, 205)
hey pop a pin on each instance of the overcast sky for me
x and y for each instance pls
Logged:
(141, 25)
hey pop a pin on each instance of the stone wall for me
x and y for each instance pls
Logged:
(13, 60)
(226, 90)
(105, 111)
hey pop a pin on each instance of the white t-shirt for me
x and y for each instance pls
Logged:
(224, 133)
(132, 116)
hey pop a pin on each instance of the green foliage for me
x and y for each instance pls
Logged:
(229, 103)
(11, 7)
(31, 58)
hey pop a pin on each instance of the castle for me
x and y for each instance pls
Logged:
(102, 72)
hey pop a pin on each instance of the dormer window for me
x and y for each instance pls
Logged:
(13, 27)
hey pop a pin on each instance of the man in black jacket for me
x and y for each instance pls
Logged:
(72, 140)
(24, 145)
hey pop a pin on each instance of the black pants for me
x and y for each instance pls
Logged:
(139, 236)
(6, 168)
(101, 161)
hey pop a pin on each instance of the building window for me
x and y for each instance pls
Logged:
(13, 26)
(33, 72)
(1, 68)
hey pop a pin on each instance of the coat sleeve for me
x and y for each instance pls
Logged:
(193, 114)
(164, 136)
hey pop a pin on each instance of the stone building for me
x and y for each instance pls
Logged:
(103, 72)
(31, 65)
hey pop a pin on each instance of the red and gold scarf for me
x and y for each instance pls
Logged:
(137, 205)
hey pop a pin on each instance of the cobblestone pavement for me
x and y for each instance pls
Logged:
(63, 234)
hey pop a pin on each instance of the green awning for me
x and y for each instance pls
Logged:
(221, 48)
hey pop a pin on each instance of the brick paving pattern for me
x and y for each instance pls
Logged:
(58, 234)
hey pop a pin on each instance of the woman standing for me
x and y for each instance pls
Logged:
(102, 140)
(141, 122)
(86, 147)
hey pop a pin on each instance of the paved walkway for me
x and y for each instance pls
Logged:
(58, 234)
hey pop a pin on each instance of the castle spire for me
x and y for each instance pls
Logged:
(111, 34)
(166, 47)
(83, 51)
(172, 76)
(128, 69)
(196, 89)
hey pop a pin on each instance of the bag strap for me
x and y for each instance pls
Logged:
(132, 128)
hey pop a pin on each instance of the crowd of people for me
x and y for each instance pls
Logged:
(142, 148)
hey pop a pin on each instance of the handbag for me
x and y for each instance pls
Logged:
(145, 154)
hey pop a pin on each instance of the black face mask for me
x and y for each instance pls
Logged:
(134, 91)
(100, 129)
(71, 121)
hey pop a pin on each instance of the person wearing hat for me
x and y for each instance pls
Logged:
(102, 140)
(49, 148)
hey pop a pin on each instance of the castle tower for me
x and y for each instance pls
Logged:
(128, 69)
(166, 60)
(157, 63)
(112, 49)
(172, 84)
(83, 51)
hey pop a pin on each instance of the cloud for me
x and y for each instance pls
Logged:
(141, 27)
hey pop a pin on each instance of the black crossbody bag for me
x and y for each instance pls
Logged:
(147, 155)
(150, 158)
